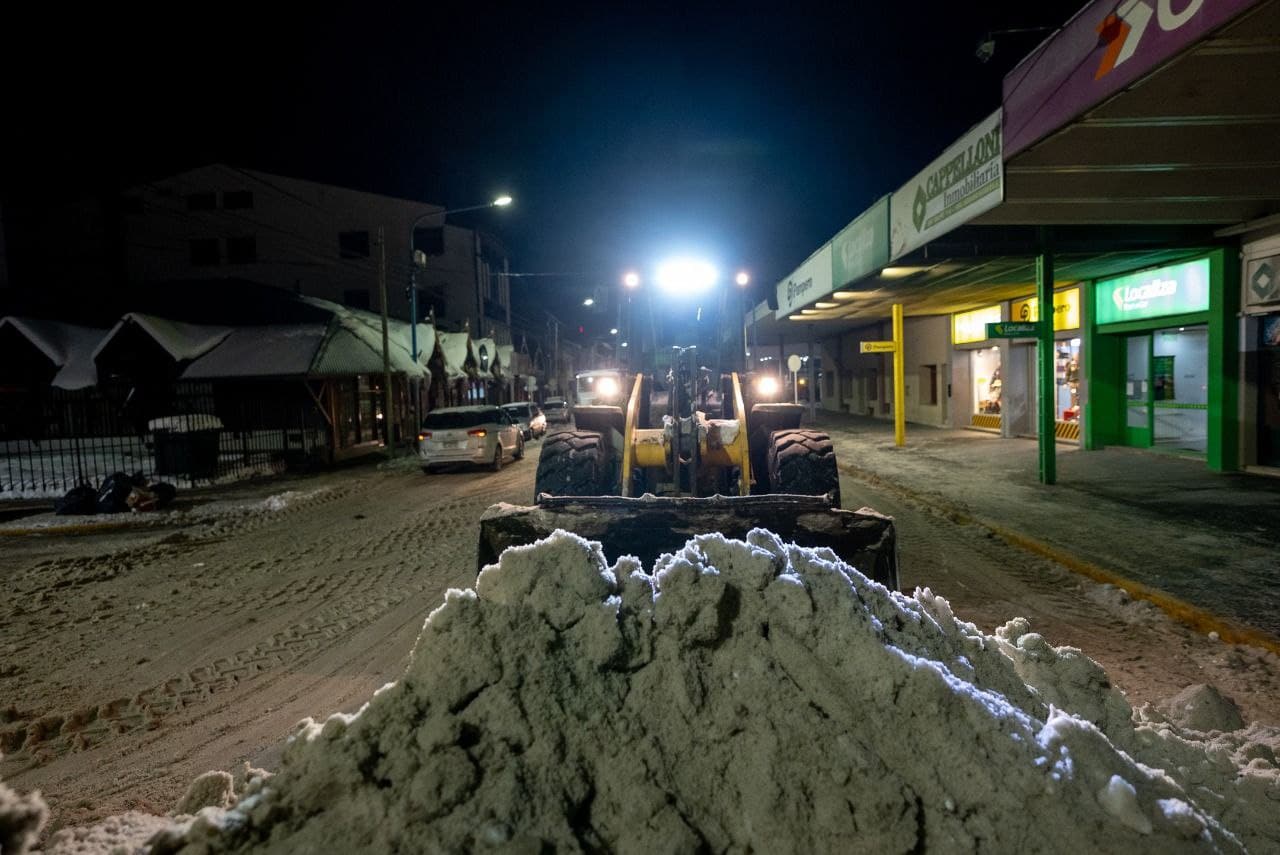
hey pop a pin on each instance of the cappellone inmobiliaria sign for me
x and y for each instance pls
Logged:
(966, 180)
(806, 283)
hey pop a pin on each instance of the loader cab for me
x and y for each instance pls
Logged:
(603, 387)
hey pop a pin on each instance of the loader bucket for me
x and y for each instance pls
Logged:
(649, 525)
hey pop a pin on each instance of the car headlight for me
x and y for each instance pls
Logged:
(607, 387)
(767, 387)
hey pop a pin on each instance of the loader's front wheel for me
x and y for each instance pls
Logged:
(574, 463)
(803, 462)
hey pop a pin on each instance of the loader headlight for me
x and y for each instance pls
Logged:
(607, 387)
(767, 387)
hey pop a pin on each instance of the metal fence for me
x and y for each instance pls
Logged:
(192, 434)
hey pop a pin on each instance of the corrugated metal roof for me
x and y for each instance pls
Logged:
(287, 350)
(67, 346)
(489, 360)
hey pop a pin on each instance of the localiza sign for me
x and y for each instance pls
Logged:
(809, 282)
(965, 181)
(1174, 290)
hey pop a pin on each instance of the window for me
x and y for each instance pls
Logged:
(929, 384)
(242, 250)
(357, 298)
(202, 201)
(353, 244)
(204, 252)
(236, 199)
(430, 241)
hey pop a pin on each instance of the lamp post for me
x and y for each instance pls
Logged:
(414, 262)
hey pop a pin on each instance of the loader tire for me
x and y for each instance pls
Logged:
(803, 462)
(573, 463)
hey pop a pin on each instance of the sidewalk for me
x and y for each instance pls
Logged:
(1202, 544)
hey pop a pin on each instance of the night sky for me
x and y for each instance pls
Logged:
(747, 134)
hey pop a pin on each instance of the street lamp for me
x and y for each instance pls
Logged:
(416, 260)
(743, 278)
(589, 302)
(631, 279)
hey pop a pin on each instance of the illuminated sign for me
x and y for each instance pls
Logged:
(968, 327)
(1066, 309)
(1175, 290)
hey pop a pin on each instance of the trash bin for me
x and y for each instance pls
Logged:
(186, 444)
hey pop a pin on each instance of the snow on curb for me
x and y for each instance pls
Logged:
(745, 696)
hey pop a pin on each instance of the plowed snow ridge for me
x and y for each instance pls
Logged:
(744, 696)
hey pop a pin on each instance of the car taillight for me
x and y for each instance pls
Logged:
(477, 432)
(426, 434)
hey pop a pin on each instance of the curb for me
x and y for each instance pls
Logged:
(1198, 619)
(79, 528)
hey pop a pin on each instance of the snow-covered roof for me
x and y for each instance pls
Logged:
(182, 341)
(363, 332)
(506, 358)
(486, 367)
(285, 350)
(69, 347)
(454, 348)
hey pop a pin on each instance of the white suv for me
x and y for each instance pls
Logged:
(484, 435)
(528, 418)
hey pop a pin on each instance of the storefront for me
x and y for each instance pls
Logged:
(978, 370)
(1162, 346)
(1068, 365)
(1262, 349)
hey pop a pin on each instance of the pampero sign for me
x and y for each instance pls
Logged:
(862, 247)
(1103, 49)
(965, 181)
(808, 282)
(1178, 289)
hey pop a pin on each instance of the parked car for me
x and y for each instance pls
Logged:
(556, 410)
(481, 434)
(531, 420)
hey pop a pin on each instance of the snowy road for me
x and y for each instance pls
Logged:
(134, 660)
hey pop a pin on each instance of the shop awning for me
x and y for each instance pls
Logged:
(181, 341)
(1153, 116)
(506, 360)
(286, 350)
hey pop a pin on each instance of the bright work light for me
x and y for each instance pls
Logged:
(686, 276)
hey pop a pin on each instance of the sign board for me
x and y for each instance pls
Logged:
(531, 383)
(1174, 290)
(793, 363)
(1013, 329)
(1102, 50)
(967, 179)
(809, 282)
(1262, 281)
(862, 247)
(1066, 309)
(878, 347)
(968, 327)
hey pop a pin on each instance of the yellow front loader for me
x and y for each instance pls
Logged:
(644, 478)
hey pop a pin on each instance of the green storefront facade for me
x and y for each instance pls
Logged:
(1162, 352)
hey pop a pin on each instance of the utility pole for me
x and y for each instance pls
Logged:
(386, 351)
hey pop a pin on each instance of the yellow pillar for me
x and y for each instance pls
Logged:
(899, 402)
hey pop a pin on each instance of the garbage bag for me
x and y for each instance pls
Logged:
(113, 495)
(78, 500)
(165, 493)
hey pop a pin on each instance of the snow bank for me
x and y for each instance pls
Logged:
(746, 696)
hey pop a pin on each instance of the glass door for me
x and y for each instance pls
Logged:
(1137, 430)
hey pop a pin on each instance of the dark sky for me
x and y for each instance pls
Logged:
(749, 134)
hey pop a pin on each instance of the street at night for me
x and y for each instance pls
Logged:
(674, 428)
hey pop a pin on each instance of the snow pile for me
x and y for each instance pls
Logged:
(745, 696)
(21, 818)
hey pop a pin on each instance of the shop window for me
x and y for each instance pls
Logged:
(929, 385)
(353, 244)
(987, 381)
(1067, 380)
